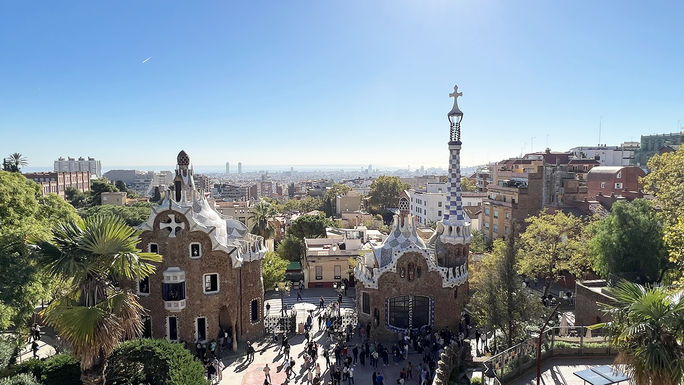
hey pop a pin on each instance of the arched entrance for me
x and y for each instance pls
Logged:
(226, 325)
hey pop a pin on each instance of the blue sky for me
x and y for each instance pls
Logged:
(323, 82)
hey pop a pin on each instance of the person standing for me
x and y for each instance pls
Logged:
(267, 373)
(350, 376)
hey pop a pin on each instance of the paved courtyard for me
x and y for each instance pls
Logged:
(559, 370)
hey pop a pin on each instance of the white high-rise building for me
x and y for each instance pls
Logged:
(71, 164)
(239, 167)
(227, 168)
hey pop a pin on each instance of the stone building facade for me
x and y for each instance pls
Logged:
(406, 283)
(209, 280)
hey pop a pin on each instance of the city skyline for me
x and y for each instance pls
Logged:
(364, 83)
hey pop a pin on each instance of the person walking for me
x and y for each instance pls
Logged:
(267, 373)
(299, 295)
(34, 348)
(309, 377)
(326, 355)
(350, 376)
(321, 303)
(355, 354)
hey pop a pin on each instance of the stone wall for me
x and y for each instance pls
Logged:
(588, 295)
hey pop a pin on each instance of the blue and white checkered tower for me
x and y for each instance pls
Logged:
(455, 224)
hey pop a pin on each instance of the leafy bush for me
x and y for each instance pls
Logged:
(476, 381)
(20, 379)
(565, 345)
(6, 352)
(61, 369)
(597, 345)
(56, 370)
(153, 361)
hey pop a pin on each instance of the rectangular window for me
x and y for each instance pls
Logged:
(486, 225)
(618, 185)
(172, 328)
(603, 184)
(495, 228)
(439, 204)
(201, 331)
(365, 303)
(486, 211)
(195, 250)
(173, 291)
(338, 272)
(144, 286)
(254, 311)
(439, 213)
(319, 273)
(508, 215)
(211, 283)
(496, 213)
(153, 248)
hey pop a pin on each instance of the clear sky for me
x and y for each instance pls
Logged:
(332, 82)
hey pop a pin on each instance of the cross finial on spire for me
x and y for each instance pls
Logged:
(455, 94)
(455, 110)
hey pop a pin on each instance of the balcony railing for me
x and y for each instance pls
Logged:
(174, 305)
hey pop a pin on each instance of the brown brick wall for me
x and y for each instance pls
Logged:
(221, 309)
(447, 311)
(587, 310)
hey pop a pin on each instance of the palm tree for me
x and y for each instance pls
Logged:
(261, 216)
(91, 257)
(647, 328)
(14, 162)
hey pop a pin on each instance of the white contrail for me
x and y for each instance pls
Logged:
(145, 61)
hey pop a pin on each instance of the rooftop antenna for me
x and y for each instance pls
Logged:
(600, 122)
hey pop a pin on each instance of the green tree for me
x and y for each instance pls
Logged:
(20, 379)
(77, 198)
(133, 215)
(310, 226)
(261, 216)
(154, 361)
(291, 248)
(273, 268)
(628, 243)
(552, 244)
(647, 328)
(14, 162)
(121, 185)
(24, 212)
(666, 183)
(385, 192)
(97, 187)
(500, 302)
(303, 205)
(330, 197)
(477, 242)
(91, 257)
(467, 185)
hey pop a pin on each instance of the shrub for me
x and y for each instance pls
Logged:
(6, 352)
(476, 381)
(61, 369)
(56, 370)
(153, 361)
(20, 379)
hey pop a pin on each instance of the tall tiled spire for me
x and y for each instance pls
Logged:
(455, 221)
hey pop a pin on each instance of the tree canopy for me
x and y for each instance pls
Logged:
(97, 187)
(273, 268)
(551, 245)
(385, 192)
(310, 226)
(133, 215)
(628, 243)
(303, 205)
(25, 213)
(14, 162)
(500, 301)
(291, 248)
(467, 185)
(666, 182)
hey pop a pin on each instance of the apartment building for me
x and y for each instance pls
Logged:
(617, 181)
(58, 182)
(427, 206)
(91, 165)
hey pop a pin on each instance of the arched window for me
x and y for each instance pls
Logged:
(402, 272)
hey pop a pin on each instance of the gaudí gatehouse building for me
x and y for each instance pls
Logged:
(406, 283)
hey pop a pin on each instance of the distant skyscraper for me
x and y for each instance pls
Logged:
(227, 168)
(239, 167)
(370, 168)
